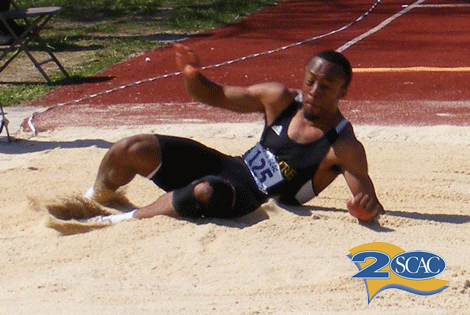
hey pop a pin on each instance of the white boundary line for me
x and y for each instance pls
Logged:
(379, 27)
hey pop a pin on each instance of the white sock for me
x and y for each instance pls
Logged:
(118, 218)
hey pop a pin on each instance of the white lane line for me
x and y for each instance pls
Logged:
(379, 27)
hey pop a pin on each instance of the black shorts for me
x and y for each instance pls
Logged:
(185, 160)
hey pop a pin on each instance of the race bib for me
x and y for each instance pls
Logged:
(263, 167)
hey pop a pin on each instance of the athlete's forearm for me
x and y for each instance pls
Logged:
(204, 90)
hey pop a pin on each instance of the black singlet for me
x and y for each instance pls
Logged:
(296, 162)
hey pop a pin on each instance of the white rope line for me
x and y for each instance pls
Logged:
(380, 26)
(225, 63)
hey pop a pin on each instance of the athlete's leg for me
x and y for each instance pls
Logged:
(210, 196)
(128, 157)
(164, 204)
(182, 163)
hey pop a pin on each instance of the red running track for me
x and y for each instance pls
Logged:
(410, 61)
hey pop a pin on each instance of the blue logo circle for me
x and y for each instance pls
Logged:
(417, 265)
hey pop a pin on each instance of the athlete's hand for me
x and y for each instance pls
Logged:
(186, 60)
(364, 207)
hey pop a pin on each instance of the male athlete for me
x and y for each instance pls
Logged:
(305, 145)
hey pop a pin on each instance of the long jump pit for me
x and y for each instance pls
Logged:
(408, 103)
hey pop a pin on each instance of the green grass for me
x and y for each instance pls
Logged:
(92, 35)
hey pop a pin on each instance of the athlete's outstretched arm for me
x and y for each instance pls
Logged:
(264, 97)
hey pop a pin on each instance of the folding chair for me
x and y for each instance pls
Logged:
(4, 123)
(35, 20)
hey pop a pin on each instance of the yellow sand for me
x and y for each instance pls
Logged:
(274, 261)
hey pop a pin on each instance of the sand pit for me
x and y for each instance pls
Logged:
(274, 261)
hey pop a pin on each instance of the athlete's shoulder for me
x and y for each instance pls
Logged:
(271, 91)
(347, 142)
(275, 97)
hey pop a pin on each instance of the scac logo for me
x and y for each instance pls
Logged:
(385, 266)
(417, 265)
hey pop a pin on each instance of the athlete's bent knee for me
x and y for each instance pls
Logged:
(140, 152)
(198, 200)
(125, 145)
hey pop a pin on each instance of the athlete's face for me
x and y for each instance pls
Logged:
(323, 87)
